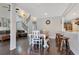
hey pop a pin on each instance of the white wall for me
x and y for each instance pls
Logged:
(54, 27)
(4, 13)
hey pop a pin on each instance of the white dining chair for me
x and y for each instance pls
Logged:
(45, 41)
(35, 39)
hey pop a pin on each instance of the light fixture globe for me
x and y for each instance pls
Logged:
(21, 13)
(34, 19)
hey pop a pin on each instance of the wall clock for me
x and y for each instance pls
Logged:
(48, 22)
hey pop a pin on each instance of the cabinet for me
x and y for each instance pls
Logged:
(68, 26)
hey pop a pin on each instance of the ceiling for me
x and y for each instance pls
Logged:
(4, 7)
(50, 9)
(74, 13)
(42, 9)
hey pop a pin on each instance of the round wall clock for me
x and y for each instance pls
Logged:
(47, 21)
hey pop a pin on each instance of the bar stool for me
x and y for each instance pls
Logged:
(60, 42)
(58, 39)
(65, 49)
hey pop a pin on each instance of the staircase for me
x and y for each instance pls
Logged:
(24, 19)
(23, 24)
